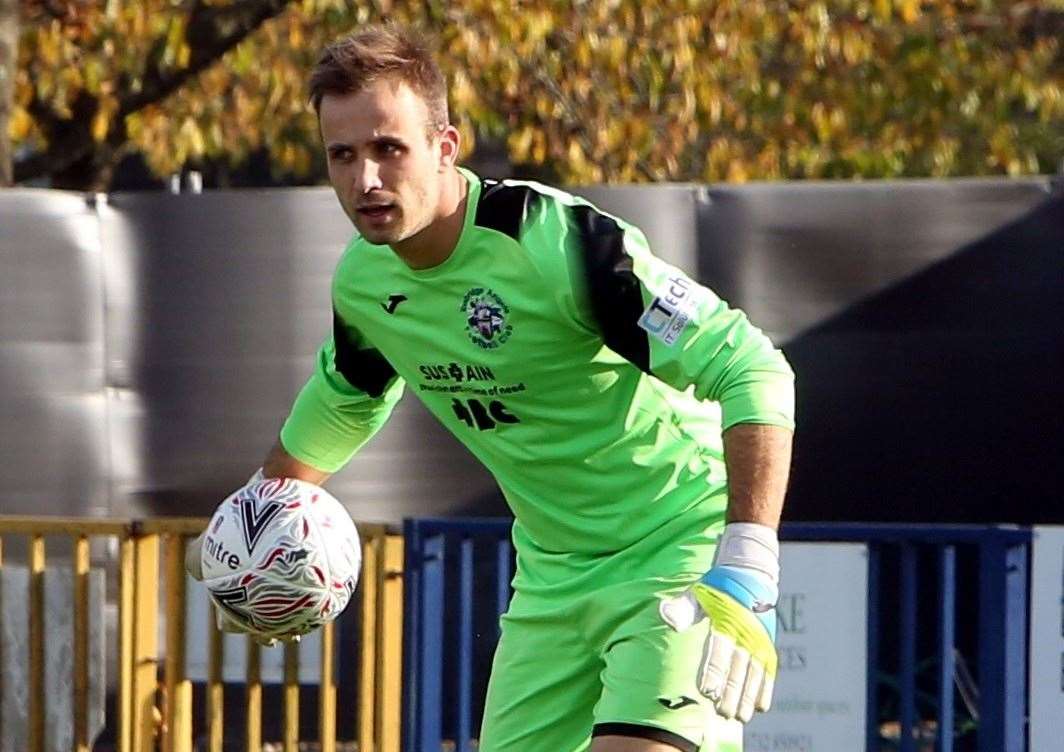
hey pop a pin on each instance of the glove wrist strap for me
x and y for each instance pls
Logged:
(748, 545)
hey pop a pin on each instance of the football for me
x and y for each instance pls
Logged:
(281, 557)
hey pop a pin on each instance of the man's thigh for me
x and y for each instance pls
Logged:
(628, 744)
(544, 684)
(635, 744)
(649, 690)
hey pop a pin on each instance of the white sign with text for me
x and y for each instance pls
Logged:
(1047, 639)
(819, 703)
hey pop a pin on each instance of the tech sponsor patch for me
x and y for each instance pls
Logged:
(669, 313)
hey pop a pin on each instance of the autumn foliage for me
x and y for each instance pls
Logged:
(599, 90)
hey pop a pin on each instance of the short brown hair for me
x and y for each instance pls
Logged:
(375, 52)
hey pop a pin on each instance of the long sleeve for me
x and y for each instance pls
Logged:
(347, 399)
(672, 327)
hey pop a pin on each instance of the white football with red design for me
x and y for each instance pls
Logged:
(281, 557)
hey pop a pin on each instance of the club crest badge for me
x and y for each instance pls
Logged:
(486, 315)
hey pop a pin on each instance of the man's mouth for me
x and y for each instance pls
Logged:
(375, 211)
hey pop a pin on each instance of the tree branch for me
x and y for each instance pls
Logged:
(9, 22)
(210, 33)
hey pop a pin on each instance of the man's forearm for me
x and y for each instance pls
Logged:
(758, 458)
(280, 464)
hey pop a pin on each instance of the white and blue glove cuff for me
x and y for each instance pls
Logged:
(750, 589)
(748, 545)
(747, 567)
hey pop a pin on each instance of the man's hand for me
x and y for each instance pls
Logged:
(738, 599)
(194, 566)
(193, 558)
(194, 548)
(738, 667)
(225, 624)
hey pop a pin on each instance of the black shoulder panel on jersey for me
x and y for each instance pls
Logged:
(364, 369)
(503, 208)
(613, 288)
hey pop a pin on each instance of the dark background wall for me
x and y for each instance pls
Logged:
(150, 344)
(925, 322)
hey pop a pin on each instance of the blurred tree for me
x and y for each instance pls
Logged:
(87, 68)
(8, 57)
(587, 91)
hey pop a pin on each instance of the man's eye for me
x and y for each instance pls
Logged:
(389, 150)
(341, 155)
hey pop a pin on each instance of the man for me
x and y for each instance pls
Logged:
(594, 381)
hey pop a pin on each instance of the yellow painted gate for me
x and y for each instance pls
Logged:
(154, 697)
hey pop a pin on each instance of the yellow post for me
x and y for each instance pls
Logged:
(127, 590)
(1, 611)
(390, 646)
(254, 698)
(367, 681)
(145, 647)
(178, 714)
(81, 644)
(36, 646)
(327, 692)
(291, 697)
(215, 687)
(181, 731)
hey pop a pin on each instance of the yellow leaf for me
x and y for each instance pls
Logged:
(519, 144)
(539, 148)
(576, 154)
(910, 10)
(100, 122)
(19, 125)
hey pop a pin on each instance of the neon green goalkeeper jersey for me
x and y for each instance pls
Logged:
(591, 378)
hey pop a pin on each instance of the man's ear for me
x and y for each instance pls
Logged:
(450, 144)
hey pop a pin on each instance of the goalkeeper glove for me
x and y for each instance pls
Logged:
(226, 624)
(737, 596)
(194, 549)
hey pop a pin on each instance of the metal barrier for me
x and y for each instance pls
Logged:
(438, 550)
(429, 542)
(154, 709)
(1002, 555)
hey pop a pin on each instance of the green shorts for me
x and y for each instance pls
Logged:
(603, 663)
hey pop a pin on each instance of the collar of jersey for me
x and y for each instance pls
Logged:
(472, 199)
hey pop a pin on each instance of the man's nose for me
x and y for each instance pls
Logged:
(368, 177)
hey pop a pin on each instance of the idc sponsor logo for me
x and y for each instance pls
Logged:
(669, 314)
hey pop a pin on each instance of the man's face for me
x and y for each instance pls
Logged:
(384, 167)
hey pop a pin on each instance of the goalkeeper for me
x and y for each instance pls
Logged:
(639, 428)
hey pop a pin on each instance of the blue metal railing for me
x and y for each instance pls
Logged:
(1001, 557)
(446, 586)
(429, 543)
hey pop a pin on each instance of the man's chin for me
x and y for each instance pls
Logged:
(376, 238)
(377, 235)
